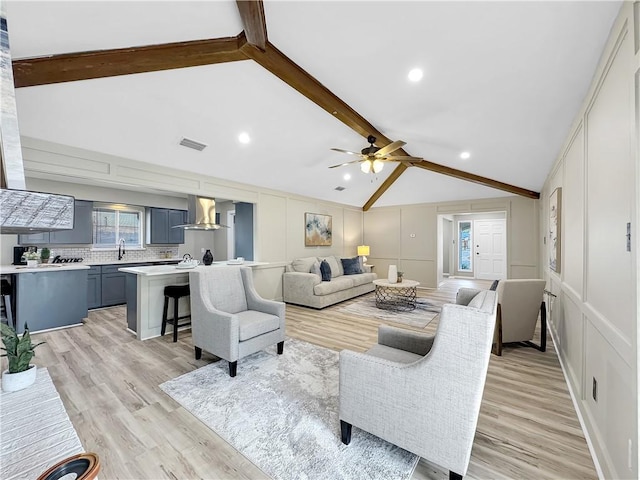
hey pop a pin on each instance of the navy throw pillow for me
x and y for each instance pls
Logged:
(494, 285)
(325, 271)
(351, 266)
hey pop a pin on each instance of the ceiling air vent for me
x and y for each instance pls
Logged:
(187, 142)
(339, 188)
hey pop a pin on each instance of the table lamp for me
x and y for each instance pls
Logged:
(363, 250)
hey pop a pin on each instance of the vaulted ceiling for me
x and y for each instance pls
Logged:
(502, 81)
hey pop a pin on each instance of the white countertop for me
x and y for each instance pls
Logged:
(46, 267)
(173, 270)
(125, 262)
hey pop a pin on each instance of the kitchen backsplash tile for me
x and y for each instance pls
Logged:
(93, 256)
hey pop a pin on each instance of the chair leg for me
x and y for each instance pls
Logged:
(164, 316)
(233, 368)
(175, 320)
(454, 476)
(543, 330)
(280, 348)
(198, 353)
(497, 349)
(345, 432)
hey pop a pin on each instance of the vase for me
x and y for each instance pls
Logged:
(393, 274)
(12, 382)
(207, 259)
(32, 263)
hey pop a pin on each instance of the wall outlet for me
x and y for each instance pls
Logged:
(202, 250)
(594, 389)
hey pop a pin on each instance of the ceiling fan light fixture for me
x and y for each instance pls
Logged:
(366, 166)
(377, 166)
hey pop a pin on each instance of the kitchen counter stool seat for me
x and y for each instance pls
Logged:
(176, 292)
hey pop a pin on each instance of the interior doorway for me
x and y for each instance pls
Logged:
(472, 245)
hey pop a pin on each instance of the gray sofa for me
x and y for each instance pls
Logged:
(302, 287)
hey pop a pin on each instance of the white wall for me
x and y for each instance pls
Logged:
(279, 219)
(407, 236)
(594, 319)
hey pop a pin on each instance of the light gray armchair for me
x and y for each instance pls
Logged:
(228, 317)
(519, 303)
(419, 392)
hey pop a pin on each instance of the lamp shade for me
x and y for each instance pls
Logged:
(363, 250)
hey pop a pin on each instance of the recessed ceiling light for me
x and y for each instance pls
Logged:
(244, 138)
(465, 155)
(415, 75)
(347, 176)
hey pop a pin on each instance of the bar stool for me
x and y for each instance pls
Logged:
(176, 292)
(5, 291)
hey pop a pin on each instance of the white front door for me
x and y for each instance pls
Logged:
(490, 249)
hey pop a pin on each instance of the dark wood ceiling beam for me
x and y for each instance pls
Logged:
(470, 177)
(399, 170)
(289, 72)
(255, 25)
(69, 67)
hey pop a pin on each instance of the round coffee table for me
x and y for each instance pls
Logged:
(396, 296)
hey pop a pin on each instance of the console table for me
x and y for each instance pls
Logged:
(400, 296)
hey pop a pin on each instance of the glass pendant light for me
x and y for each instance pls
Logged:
(366, 166)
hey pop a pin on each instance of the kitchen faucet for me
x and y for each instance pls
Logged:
(121, 250)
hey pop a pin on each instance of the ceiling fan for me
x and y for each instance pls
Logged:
(373, 158)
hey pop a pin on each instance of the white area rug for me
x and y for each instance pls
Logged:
(424, 312)
(281, 412)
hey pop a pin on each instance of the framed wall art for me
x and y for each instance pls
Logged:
(555, 230)
(317, 230)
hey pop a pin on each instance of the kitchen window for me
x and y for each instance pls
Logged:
(111, 223)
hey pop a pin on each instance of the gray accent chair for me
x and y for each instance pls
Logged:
(420, 392)
(228, 317)
(519, 303)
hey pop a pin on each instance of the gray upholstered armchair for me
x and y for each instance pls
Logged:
(228, 317)
(420, 392)
(519, 303)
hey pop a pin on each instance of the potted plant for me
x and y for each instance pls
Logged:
(400, 275)
(19, 352)
(45, 253)
(32, 258)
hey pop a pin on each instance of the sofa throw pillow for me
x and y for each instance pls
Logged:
(315, 268)
(351, 266)
(334, 264)
(303, 264)
(494, 285)
(325, 271)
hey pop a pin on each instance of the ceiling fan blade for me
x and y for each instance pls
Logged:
(343, 164)
(400, 158)
(392, 147)
(346, 151)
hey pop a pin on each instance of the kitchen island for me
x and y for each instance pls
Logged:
(145, 294)
(48, 296)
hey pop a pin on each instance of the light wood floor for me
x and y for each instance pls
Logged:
(109, 381)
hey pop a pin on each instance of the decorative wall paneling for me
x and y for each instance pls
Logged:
(388, 231)
(595, 316)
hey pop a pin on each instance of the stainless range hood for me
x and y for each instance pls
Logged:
(201, 214)
(22, 211)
